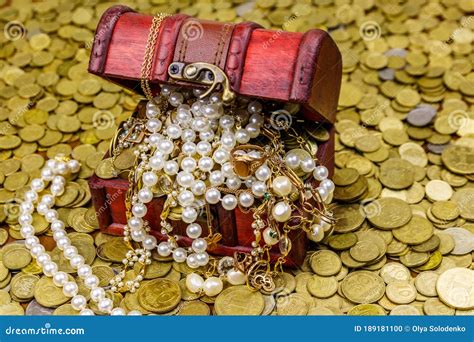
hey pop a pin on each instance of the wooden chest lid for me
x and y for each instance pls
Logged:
(274, 65)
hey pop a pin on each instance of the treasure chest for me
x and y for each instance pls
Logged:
(283, 67)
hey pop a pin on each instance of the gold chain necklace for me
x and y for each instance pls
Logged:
(149, 53)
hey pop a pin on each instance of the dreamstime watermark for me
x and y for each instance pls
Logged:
(370, 208)
(458, 119)
(278, 33)
(370, 30)
(47, 329)
(103, 119)
(192, 30)
(102, 31)
(14, 30)
(281, 119)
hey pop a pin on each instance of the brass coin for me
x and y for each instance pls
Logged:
(239, 300)
(363, 287)
(23, 286)
(194, 308)
(322, 287)
(455, 288)
(434, 307)
(48, 294)
(367, 310)
(65, 310)
(394, 272)
(348, 217)
(16, 259)
(396, 174)
(416, 231)
(292, 305)
(3, 236)
(11, 309)
(400, 292)
(325, 263)
(159, 295)
(346, 176)
(457, 159)
(390, 213)
(342, 241)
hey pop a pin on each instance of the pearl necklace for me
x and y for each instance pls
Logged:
(54, 172)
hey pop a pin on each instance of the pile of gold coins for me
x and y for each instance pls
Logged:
(404, 200)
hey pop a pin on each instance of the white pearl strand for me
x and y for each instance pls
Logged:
(54, 172)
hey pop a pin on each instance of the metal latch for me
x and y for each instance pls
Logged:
(203, 73)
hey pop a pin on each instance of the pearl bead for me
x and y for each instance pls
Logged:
(149, 178)
(73, 165)
(185, 179)
(31, 196)
(76, 261)
(228, 140)
(97, 294)
(47, 174)
(153, 125)
(139, 210)
(220, 156)
(188, 135)
(189, 214)
(117, 312)
(216, 178)
(171, 167)
(191, 261)
(263, 173)
(138, 235)
(254, 107)
(105, 305)
(323, 193)
(213, 196)
(229, 202)
(242, 136)
(292, 160)
(281, 211)
(37, 250)
(256, 119)
(164, 249)
(188, 164)
(91, 281)
(134, 313)
(307, 164)
(270, 236)
(259, 189)
(179, 254)
(26, 231)
(198, 188)
(226, 122)
(236, 277)
(50, 268)
(228, 170)
(176, 99)
(149, 242)
(57, 225)
(145, 195)
(281, 185)
(43, 259)
(206, 135)
(84, 271)
(78, 302)
(203, 148)
(173, 131)
(253, 130)
(194, 230)
(212, 286)
(70, 289)
(199, 245)
(27, 207)
(69, 251)
(60, 278)
(31, 241)
(320, 173)
(51, 215)
(206, 164)
(233, 182)
(166, 146)
(202, 258)
(246, 199)
(185, 198)
(200, 124)
(156, 163)
(37, 184)
(25, 219)
(194, 282)
(189, 148)
(135, 222)
(316, 234)
(87, 312)
(327, 184)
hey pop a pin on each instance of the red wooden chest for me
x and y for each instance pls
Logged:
(269, 65)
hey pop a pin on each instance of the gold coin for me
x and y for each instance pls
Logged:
(455, 288)
(438, 190)
(23, 286)
(159, 295)
(11, 309)
(322, 287)
(457, 158)
(390, 213)
(346, 176)
(434, 307)
(65, 310)
(425, 283)
(194, 308)
(342, 241)
(416, 231)
(3, 236)
(17, 258)
(48, 294)
(396, 174)
(367, 310)
(393, 271)
(364, 251)
(405, 310)
(325, 263)
(292, 305)
(239, 300)
(104, 273)
(348, 217)
(363, 287)
(400, 292)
